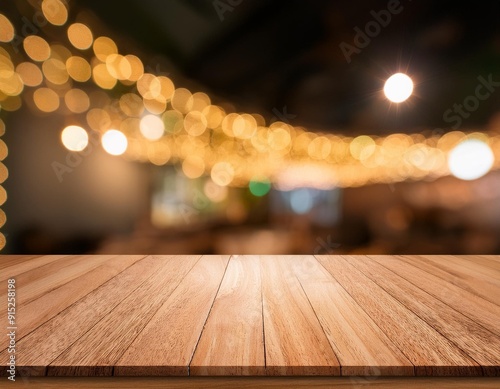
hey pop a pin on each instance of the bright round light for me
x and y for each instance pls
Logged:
(114, 142)
(301, 200)
(398, 87)
(75, 138)
(470, 159)
(152, 127)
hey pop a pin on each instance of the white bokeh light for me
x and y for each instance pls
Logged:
(75, 138)
(470, 159)
(152, 127)
(114, 142)
(398, 87)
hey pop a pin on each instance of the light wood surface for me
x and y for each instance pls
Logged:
(362, 317)
(255, 382)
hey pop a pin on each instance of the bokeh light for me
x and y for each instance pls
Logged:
(75, 138)
(114, 142)
(398, 87)
(152, 127)
(471, 159)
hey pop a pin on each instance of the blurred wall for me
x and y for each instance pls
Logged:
(93, 195)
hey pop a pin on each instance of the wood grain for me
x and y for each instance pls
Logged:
(476, 308)
(295, 341)
(14, 260)
(48, 305)
(232, 342)
(482, 345)
(22, 264)
(255, 382)
(456, 275)
(98, 350)
(39, 348)
(361, 347)
(430, 352)
(167, 343)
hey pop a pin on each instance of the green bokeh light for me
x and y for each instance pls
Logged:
(259, 188)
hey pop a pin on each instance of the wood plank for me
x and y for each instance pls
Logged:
(430, 352)
(167, 343)
(11, 260)
(34, 283)
(97, 351)
(455, 275)
(36, 350)
(360, 345)
(470, 264)
(256, 382)
(484, 260)
(477, 342)
(295, 342)
(476, 308)
(232, 342)
(45, 307)
(21, 264)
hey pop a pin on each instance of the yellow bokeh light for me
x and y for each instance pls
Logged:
(195, 123)
(149, 86)
(193, 167)
(3, 219)
(103, 47)
(222, 173)
(11, 85)
(60, 52)
(75, 138)
(98, 119)
(2, 128)
(77, 100)
(80, 36)
(46, 100)
(114, 142)
(102, 78)
(37, 48)
(131, 105)
(118, 66)
(155, 106)
(11, 103)
(152, 127)
(6, 29)
(78, 69)
(214, 116)
(4, 174)
(4, 151)
(29, 73)
(200, 101)
(3, 198)
(182, 100)
(136, 67)
(55, 12)
(215, 192)
(362, 147)
(55, 71)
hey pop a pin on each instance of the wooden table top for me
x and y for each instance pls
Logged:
(133, 315)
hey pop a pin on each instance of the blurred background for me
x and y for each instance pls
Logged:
(249, 126)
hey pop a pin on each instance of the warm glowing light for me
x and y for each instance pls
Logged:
(214, 192)
(104, 46)
(470, 159)
(222, 173)
(54, 70)
(114, 142)
(4, 151)
(131, 105)
(195, 123)
(78, 69)
(36, 48)
(46, 100)
(193, 166)
(80, 36)
(6, 29)
(75, 138)
(152, 127)
(29, 73)
(55, 12)
(182, 100)
(398, 87)
(77, 100)
(102, 78)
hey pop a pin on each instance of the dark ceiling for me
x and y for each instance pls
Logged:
(283, 58)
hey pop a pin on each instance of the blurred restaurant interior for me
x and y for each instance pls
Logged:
(249, 127)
